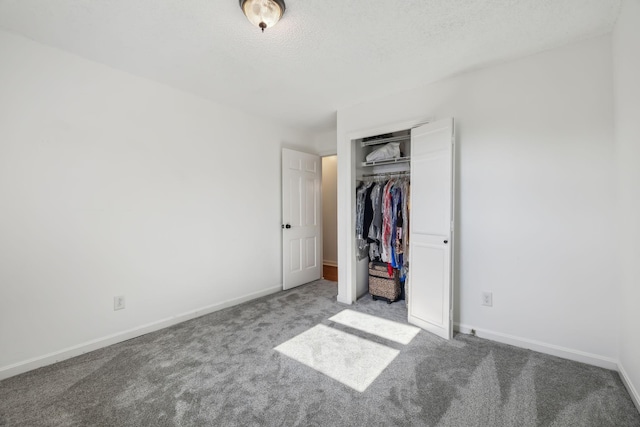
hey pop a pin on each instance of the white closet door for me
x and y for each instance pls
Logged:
(431, 224)
(301, 218)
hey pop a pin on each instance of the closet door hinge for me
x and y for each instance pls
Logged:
(451, 225)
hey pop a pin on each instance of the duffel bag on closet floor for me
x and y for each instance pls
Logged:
(381, 285)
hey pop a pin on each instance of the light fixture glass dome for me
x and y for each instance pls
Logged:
(263, 13)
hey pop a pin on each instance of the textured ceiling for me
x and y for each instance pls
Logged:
(323, 54)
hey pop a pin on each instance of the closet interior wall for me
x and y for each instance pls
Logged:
(381, 169)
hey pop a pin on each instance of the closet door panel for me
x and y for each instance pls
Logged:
(430, 225)
(432, 291)
(430, 183)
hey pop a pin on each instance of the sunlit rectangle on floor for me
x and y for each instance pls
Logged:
(351, 360)
(384, 328)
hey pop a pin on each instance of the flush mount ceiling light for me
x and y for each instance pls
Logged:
(263, 13)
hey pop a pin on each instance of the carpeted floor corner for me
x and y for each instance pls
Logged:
(222, 369)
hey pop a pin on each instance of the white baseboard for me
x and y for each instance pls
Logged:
(554, 350)
(635, 396)
(330, 263)
(76, 350)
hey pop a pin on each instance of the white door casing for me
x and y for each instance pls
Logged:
(301, 218)
(430, 293)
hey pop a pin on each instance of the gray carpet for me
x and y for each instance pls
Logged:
(221, 370)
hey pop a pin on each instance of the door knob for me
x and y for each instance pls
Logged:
(446, 241)
(286, 226)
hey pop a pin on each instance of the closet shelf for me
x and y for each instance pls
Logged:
(387, 162)
(385, 140)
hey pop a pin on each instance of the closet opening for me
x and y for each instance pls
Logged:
(383, 176)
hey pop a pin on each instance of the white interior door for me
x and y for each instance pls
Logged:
(301, 218)
(431, 223)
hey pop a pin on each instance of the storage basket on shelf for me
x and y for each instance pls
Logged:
(381, 285)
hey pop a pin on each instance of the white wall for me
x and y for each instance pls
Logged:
(325, 143)
(626, 65)
(330, 209)
(114, 185)
(536, 196)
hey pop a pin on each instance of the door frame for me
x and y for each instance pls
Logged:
(347, 262)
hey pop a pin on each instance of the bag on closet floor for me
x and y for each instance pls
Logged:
(381, 285)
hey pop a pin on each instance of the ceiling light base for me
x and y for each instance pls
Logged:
(263, 13)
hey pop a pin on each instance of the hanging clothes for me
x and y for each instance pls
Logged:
(396, 217)
(361, 197)
(382, 223)
(405, 228)
(368, 213)
(375, 229)
(386, 222)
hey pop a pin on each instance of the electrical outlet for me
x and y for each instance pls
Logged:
(118, 303)
(487, 299)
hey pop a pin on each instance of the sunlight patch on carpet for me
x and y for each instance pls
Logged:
(351, 360)
(383, 328)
